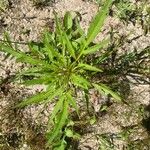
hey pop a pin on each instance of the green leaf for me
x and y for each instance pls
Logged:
(7, 38)
(81, 40)
(43, 97)
(103, 88)
(36, 49)
(89, 67)
(69, 133)
(98, 22)
(80, 81)
(79, 32)
(69, 45)
(72, 101)
(22, 56)
(92, 120)
(34, 71)
(79, 29)
(55, 92)
(58, 24)
(35, 99)
(58, 127)
(68, 22)
(48, 47)
(56, 109)
(59, 32)
(62, 146)
(41, 80)
(10, 50)
(95, 48)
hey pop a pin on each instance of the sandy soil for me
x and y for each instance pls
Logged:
(25, 22)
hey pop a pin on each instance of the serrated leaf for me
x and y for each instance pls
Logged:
(81, 40)
(35, 99)
(58, 127)
(72, 101)
(81, 32)
(98, 22)
(80, 81)
(43, 97)
(95, 48)
(89, 67)
(40, 80)
(34, 71)
(48, 47)
(22, 56)
(102, 87)
(35, 48)
(55, 92)
(79, 29)
(58, 25)
(69, 45)
(56, 109)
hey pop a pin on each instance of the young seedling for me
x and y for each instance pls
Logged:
(59, 63)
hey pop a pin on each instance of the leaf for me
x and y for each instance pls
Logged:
(102, 87)
(69, 133)
(80, 81)
(34, 71)
(22, 56)
(41, 80)
(68, 20)
(58, 127)
(7, 38)
(43, 97)
(95, 48)
(81, 40)
(98, 22)
(48, 47)
(56, 109)
(89, 67)
(61, 147)
(69, 45)
(72, 101)
(58, 24)
(55, 92)
(59, 31)
(8, 49)
(36, 48)
(35, 99)
(92, 120)
(79, 32)
(79, 29)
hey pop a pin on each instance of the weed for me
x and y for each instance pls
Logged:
(128, 11)
(59, 62)
(106, 142)
(125, 68)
